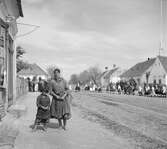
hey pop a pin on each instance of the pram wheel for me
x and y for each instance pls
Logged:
(39, 127)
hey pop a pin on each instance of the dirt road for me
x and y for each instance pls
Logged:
(81, 133)
(141, 121)
(99, 121)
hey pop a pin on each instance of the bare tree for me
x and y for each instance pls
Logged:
(74, 79)
(91, 74)
(94, 73)
(84, 77)
(19, 52)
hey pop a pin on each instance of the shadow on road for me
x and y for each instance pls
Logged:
(49, 125)
(109, 103)
(53, 125)
(32, 126)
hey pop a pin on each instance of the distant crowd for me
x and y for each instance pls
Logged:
(35, 84)
(123, 87)
(128, 88)
(131, 88)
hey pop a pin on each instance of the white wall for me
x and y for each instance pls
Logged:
(115, 77)
(31, 76)
(156, 72)
(103, 82)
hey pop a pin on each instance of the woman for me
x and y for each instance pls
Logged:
(60, 106)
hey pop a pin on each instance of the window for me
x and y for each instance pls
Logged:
(160, 81)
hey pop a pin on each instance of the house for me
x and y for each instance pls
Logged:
(109, 76)
(33, 71)
(10, 11)
(153, 70)
(101, 79)
(115, 75)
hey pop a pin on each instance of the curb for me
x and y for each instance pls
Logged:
(17, 110)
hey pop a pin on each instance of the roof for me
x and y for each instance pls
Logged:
(138, 69)
(110, 72)
(20, 7)
(163, 60)
(33, 69)
(106, 74)
(102, 74)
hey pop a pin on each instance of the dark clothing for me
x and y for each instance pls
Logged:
(33, 86)
(29, 85)
(60, 108)
(40, 83)
(41, 121)
(43, 101)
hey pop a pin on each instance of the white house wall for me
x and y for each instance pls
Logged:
(157, 72)
(31, 76)
(115, 76)
(104, 82)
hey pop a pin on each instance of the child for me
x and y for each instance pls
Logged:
(43, 108)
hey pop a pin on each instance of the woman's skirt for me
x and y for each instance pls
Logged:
(60, 109)
(42, 114)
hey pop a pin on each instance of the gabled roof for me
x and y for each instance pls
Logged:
(163, 60)
(99, 77)
(20, 7)
(106, 74)
(110, 72)
(138, 69)
(33, 69)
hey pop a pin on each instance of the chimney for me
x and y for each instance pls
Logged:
(106, 68)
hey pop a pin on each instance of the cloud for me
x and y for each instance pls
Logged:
(79, 33)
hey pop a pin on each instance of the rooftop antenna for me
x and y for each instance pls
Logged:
(161, 29)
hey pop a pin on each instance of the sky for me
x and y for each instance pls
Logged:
(77, 34)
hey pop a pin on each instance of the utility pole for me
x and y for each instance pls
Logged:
(162, 24)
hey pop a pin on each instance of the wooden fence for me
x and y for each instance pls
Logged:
(22, 86)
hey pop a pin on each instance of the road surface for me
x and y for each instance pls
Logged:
(141, 121)
(100, 121)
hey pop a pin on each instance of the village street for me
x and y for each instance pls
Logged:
(141, 121)
(96, 46)
(81, 133)
(99, 121)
